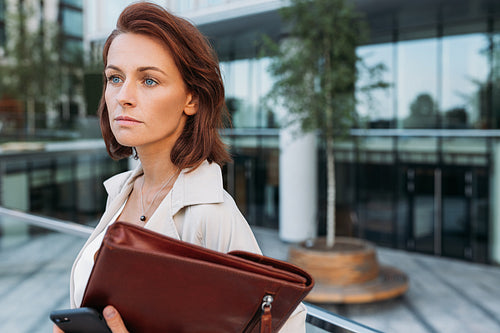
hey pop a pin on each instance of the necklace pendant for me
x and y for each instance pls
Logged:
(142, 218)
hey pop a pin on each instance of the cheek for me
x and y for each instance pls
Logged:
(107, 98)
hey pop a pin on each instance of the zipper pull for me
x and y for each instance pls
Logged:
(267, 302)
(266, 319)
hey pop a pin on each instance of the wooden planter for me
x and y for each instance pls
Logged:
(347, 273)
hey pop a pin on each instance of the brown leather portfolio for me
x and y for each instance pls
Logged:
(160, 284)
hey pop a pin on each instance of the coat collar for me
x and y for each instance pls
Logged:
(202, 185)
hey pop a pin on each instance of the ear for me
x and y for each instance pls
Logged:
(192, 104)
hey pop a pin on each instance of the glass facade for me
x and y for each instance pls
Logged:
(465, 72)
(72, 22)
(435, 83)
(417, 84)
(64, 183)
(436, 194)
(2, 23)
(75, 3)
(247, 82)
(417, 177)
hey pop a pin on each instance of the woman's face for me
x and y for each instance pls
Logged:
(145, 95)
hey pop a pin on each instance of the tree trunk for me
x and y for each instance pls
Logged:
(330, 199)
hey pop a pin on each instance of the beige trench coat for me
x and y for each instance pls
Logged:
(212, 219)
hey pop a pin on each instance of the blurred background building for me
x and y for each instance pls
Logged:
(421, 173)
(41, 45)
(52, 160)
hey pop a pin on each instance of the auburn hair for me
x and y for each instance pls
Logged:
(199, 67)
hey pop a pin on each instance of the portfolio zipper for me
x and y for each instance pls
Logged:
(263, 313)
(267, 301)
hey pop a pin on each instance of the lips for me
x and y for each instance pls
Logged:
(126, 120)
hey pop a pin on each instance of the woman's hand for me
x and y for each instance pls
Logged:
(113, 319)
(115, 322)
(56, 329)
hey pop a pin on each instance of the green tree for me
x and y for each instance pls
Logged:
(316, 70)
(423, 113)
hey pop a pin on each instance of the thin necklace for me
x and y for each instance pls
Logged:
(143, 216)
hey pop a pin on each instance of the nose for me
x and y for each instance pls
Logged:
(126, 97)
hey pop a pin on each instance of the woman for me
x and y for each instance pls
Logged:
(163, 100)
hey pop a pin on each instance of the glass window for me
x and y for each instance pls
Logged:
(417, 83)
(2, 34)
(376, 109)
(184, 5)
(72, 50)
(247, 82)
(2, 23)
(238, 83)
(270, 118)
(76, 3)
(72, 22)
(2, 10)
(465, 74)
(495, 71)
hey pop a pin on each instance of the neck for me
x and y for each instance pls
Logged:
(157, 167)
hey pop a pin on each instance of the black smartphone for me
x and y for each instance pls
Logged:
(80, 320)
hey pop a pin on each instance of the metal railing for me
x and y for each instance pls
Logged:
(65, 227)
(331, 322)
(316, 316)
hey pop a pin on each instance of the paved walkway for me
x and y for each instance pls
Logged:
(444, 296)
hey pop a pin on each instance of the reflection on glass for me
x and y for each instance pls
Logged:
(465, 71)
(247, 82)
(417, 84)
(238, 93)
(495, 75)
(377, 109)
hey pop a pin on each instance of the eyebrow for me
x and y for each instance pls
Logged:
(140, 69)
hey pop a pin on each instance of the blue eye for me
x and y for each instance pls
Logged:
(150, 82)
(114, 79)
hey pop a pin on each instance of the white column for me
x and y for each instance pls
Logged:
(298, 185)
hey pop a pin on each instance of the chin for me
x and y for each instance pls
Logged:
(127, 142)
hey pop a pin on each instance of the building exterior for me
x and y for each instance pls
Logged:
(42, 41)
(421, 174)
(58, 178)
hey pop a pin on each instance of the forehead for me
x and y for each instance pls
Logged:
(138, 50)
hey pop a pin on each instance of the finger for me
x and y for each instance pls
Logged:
(56, 329)
(114, 320)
